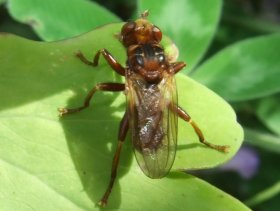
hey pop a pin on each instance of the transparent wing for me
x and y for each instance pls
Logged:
(153, 124)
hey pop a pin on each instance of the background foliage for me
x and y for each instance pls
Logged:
(231, 47)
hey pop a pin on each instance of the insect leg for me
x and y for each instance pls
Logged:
(112, 87)
(115, 65)
(185, 116)
(122, 134)
(177, 66)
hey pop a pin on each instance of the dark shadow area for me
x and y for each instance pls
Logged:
(92, 139)
(123, 8)
(190, 146)
(177, 174)
(33, 71)
(7, 24)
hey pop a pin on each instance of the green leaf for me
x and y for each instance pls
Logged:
(262, 139)
(60, 19)
(191, 24)
(246, 70)
(265, 195)
(2, 1)
(269, 112)
(68, 160)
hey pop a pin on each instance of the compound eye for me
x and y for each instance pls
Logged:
(157, 33)
(139, 56)
(140, 60)
(161, 58)
(128, 27)
(159, 54)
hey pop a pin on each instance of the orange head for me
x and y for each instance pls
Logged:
(140, 32)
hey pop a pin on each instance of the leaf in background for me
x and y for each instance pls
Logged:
(67, 162)
(264, 195)
(191, 24)
(269, 112)
(246, 70)
(262, 139)
(56, 20)
(2, 1)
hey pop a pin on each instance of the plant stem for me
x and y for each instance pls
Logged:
(253, 24)
(261, 139)
(264, 195)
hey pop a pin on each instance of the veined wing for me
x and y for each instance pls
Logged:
(153, 124)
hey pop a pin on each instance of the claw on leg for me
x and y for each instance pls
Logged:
(62, 111)
(102, 203)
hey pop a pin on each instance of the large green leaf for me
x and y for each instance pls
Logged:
(55, 20)
(191, 24)
(246, 70)
(67, 161)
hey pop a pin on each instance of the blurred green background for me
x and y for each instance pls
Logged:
(253, 175)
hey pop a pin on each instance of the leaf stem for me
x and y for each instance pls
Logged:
(261, 139)
(264, 195)
(253, 24)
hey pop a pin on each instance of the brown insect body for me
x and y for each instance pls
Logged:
(152, 124)
(151, 90)
(152, 108)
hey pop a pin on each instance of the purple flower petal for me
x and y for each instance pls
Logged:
(245, 163)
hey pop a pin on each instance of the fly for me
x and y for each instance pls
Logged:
(152, 110)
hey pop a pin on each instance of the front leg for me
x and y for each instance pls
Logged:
(112, 87)
(115, 65)
(177, 67)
